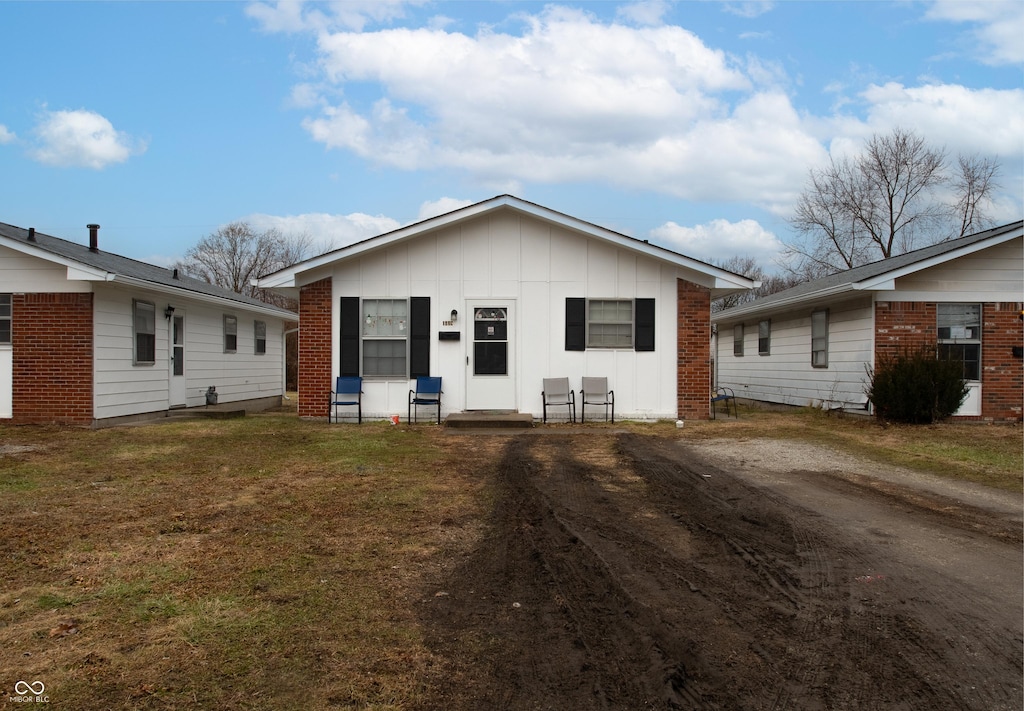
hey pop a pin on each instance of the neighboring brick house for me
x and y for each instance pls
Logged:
(91, 338)
(494, 298)
(812, 344)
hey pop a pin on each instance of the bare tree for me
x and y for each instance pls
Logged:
(973, 185)
(236, 254)
(747, 266)
(888, 200)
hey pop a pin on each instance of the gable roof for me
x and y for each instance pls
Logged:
(877, 276)
(86, 265)
(724, 280)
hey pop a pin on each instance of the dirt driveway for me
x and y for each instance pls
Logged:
(621, 571)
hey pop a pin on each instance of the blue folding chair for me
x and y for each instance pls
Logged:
(347, 391)
(427, 392)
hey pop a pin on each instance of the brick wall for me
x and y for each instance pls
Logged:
(913, 324)
(693, 348)
(903, 325)
(1002, 375)
(315, 352)
(52, 344)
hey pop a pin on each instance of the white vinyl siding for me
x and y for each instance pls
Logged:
(791, 379)
(23, 273)
(990, 275)
(123, 390)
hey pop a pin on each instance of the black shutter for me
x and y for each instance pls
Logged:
(644, 325)
(419, 336)
(575, 324)
(349, 365)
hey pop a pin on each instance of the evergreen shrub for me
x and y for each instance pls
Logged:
(915, 387)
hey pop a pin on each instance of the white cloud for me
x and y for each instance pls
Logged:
(720, 239)
(999, 27)
(569, 99)
(82, 139)
(643, 12)
(326, 230)
(989, 121)
(6, 136)
(300, 16)
(433, 208)
(749, 8)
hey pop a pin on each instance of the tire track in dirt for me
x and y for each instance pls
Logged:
(624, 572)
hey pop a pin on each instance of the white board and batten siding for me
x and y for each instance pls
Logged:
(786, 375)
(123, 388)
(532, 266)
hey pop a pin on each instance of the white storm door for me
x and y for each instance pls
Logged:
(490, 362)
(178, 392)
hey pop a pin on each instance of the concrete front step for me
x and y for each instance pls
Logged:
(487, 420)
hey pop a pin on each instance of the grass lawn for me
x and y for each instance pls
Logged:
(271, 563)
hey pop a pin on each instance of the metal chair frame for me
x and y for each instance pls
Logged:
(348, 391)
(594, 391)
(428, 392)
(556, 393)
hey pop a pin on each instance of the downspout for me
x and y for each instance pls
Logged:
(714, 354)
(284, 361)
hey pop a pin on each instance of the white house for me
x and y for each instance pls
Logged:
(812, 344)
(90, 338)
(497, 296)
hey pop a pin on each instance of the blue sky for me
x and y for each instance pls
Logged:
(692, 124)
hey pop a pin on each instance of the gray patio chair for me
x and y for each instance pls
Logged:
(556, 393)
(595, 392)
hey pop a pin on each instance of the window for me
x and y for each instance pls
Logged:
(819, 339)
(385, 334)
(764, 337)
(737, 339)
(230, 334)
(144, 325)
(260, 336)
(609, 323)
(959, 336)
(5, 319)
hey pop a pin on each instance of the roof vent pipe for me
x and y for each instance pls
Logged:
(176, 273)
(31, 234)
(94, 239)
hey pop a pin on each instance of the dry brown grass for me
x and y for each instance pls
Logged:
(256, 563)
(271, 563)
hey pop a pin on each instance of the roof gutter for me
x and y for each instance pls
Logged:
(756, 307)
(206, 298)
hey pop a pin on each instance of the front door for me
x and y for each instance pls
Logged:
(178, 391)
(491, 374)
